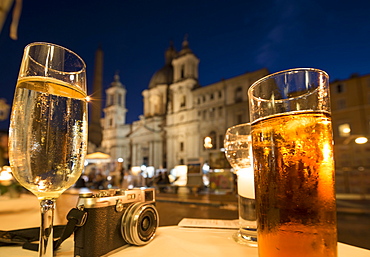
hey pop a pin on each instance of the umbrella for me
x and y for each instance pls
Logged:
(98, 157)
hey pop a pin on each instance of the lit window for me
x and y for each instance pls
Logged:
(208, 143)
(344, 130)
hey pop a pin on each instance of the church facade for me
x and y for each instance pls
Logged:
(183, 122)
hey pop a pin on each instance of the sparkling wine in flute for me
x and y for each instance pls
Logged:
(49, 135)
(48, 128)
(295, 199)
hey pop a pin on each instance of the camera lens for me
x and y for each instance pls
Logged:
(139, 223)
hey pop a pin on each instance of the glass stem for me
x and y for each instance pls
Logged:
(47, 207)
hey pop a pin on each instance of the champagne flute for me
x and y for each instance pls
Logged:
(48, 128)
(238, 151)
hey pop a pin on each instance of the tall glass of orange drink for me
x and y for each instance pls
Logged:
(292, 145)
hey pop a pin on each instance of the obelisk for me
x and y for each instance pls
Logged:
(95, 105)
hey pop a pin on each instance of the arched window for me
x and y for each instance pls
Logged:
(183, 101)
(119, 99)
(182, 71)
(110, 100)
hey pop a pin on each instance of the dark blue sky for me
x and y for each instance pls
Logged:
(229, 37)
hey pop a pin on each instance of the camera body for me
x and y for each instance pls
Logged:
(115, 218)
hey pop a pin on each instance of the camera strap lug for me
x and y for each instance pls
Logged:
(76, 218)
(77, 214)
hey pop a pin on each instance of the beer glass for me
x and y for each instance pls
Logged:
(238, 150)
(48, 128)
(292, 142)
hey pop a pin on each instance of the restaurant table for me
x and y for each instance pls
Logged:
(182, 242)
(177, 241)
(21, 212)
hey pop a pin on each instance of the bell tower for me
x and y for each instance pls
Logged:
(185, 78)
(115, 130)
(182, 120)
(115, 110)
(185, 65)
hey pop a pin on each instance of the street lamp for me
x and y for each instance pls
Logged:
(361, 140)
(359, 160)
(208, 143)
(357, 138)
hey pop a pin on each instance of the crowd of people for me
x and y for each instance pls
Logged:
(96, 178)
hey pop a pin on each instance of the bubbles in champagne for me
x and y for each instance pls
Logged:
(49, 143)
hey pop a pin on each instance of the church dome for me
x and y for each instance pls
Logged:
(162, 76)
(165, 74)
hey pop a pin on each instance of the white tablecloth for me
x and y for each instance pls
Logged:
(22, 212)
(170, 241)
(183, 242)
(18, 213)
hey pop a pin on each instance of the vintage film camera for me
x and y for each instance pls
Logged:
(115, 218)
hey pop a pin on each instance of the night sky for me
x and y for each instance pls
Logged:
(229, 37)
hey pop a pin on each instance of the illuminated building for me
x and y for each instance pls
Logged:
(179, 115)
(184, 123)
(350, 102)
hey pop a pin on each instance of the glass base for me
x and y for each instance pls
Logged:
(245, 240)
